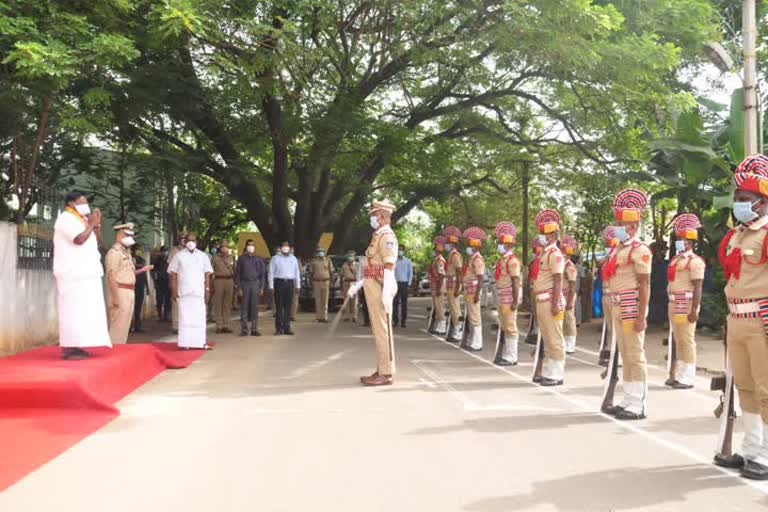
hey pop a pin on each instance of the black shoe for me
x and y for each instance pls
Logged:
(550, 382)
(670, 382)
(175, 331)
(402, 325)
(243, 333)
(538, 379)
(754, 471)
(74, 354)
(734, 461)
(255, 333)
(612, 410)
(453, 340)
(289, 333)
(680, 385)
(628, 415)
(278, 332)
(504, 362)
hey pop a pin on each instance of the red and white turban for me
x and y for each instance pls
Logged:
(548, 221)
(475, 236)
(686, 226)
(505, 232)
(452, 234)
(752, 175)
(628, 204)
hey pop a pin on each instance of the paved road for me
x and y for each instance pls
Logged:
(279, 424)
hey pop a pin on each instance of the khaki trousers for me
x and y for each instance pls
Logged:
(120, 315)
(321, 289)
(223, 290)
(631, 347)
(350, 311)
(438, 304)
(569, 322)
(551, 332)
(381, 325)
(473, 310)
(748, 354)
(454, 306)
(685, 338)
(508, 320)
(294, 304)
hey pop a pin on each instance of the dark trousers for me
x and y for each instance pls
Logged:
(163, 300)
(400, 307)
(138, 304)
(283, 303)
(361, 299)
(249, 308)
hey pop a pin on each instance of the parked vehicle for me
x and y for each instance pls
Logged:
(424, 286)
(307, 295)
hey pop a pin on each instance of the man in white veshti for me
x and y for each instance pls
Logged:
(78, 271)
(190, 279)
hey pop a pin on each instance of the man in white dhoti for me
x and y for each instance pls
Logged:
(190, 279)
(78, 272)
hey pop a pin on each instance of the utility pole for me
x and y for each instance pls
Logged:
(526, 182)
(749, 35)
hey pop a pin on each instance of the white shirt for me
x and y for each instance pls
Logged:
(190, 269)
(284, 267)
(72, 261)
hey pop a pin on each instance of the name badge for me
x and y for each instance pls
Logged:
(749, 252)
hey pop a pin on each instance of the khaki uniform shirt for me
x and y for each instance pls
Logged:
(551, 264)
(438, 266)
(119, 264)
(455, 264)
(476, 266)
(690, 267)
(322, 269)
(509, 269)
(753, 278)
(383, 247)
(630, 262)
(223, 265)
(571, 275)
(349, 271)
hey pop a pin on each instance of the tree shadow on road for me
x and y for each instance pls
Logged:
(664, 488)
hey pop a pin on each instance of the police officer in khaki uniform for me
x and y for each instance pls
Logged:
(745, 262)
(380, 288)
(547, 273)
(322, 276)
(628, 271)
(473, 276)
(175, 307)
(223, 263)
(348, 278)
(685, 277)
(507, 275)
(121, 282)
(437, 286)
(609, 238)
(454, 269)
(568, 246)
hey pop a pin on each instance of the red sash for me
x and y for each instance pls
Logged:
(533, 272)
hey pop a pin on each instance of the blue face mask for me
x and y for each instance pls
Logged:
(543, 240)
(742, 210)
(620, 232)
(449, 247)
(469, 251)
(679, 246)
(374, 222)
(501, 248)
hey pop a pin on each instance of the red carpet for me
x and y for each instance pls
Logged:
(48, 405)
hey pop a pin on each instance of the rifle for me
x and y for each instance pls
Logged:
(465, 326)
(725, 410)
(533, 328)
(671, 357)
(611, 372)
(538, 359)
(431, 319)
(604, 353)
(500, 342)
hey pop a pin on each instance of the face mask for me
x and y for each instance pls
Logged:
(543, 240)
(83, 209)
(320, 254)
(743, 212)
(164, 254)
(191, 245)
(139, 254)
(250, 249)
(350, 258)
(213, 250)
(469, 251)
(679, 246)
(449, 247)
(400, 253)
(620, 232)
(128, 241)
(501, 248)
(374, 222)
(285, 250)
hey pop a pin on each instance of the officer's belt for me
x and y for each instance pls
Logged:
(126, 286)
(321, 280)
(744, 309)
(222, 276)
